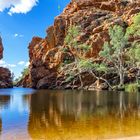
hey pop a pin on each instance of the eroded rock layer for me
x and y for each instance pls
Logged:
(94, 17)
(5, 74)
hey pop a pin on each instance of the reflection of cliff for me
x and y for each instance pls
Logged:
(4, 103)
(0, 125)
(58, 115)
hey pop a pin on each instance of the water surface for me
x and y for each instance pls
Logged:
(26, 114)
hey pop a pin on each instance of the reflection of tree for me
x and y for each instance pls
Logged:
(26, 100)
(56, 111)
(52, 110)
(4, 101)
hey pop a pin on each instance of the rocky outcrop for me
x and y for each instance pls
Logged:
(94, 17)
(1, 48)
(5, 78)
(5, 74)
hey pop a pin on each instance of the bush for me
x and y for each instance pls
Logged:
(132, 88)
(134, 28)
(85, 64)
(69, 78)
(72, 35)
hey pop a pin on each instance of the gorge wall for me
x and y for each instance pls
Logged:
(1, 48)
(5, 74)
(94, 17)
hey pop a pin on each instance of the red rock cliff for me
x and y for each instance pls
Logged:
(5, 74)
(94, 17)
(1, 48)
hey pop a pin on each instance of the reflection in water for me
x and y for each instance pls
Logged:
(0, 125)
(14, 110)
(68, 115)
(72, 115)
(4, 101)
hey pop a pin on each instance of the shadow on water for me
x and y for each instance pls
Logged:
(68, 115)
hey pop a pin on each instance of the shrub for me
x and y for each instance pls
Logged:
(132, 88)
(69, 78)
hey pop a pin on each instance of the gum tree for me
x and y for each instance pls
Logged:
(113, 51)
(134, 52)
(78, 50)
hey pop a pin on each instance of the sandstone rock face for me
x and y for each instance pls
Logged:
(1, 48)
(5, 78)
(5, 74)
(94, 17)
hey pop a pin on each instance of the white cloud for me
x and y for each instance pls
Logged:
(27, 64)
(2, 62)
(6, 65)
(17, 6)
(11, 65)
(17, 68)
(21, 63)
(18, 35)
(15, 35)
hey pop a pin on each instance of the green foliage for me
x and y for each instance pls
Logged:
(101, 68)
(78, 51)
(106, 52)
(132, 88)
(69, 78)
(118, 38)
(134, 29)
(64, 49)
(71, 40)
(136, 19)
(16, 80)
(134, 51)
(84, 47)
(134, 54)
(114, 50)
(118, 41)
(72, 35)
(25, 72)
(67, 61)
(85, 64)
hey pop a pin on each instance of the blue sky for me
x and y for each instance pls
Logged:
(20, 20)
